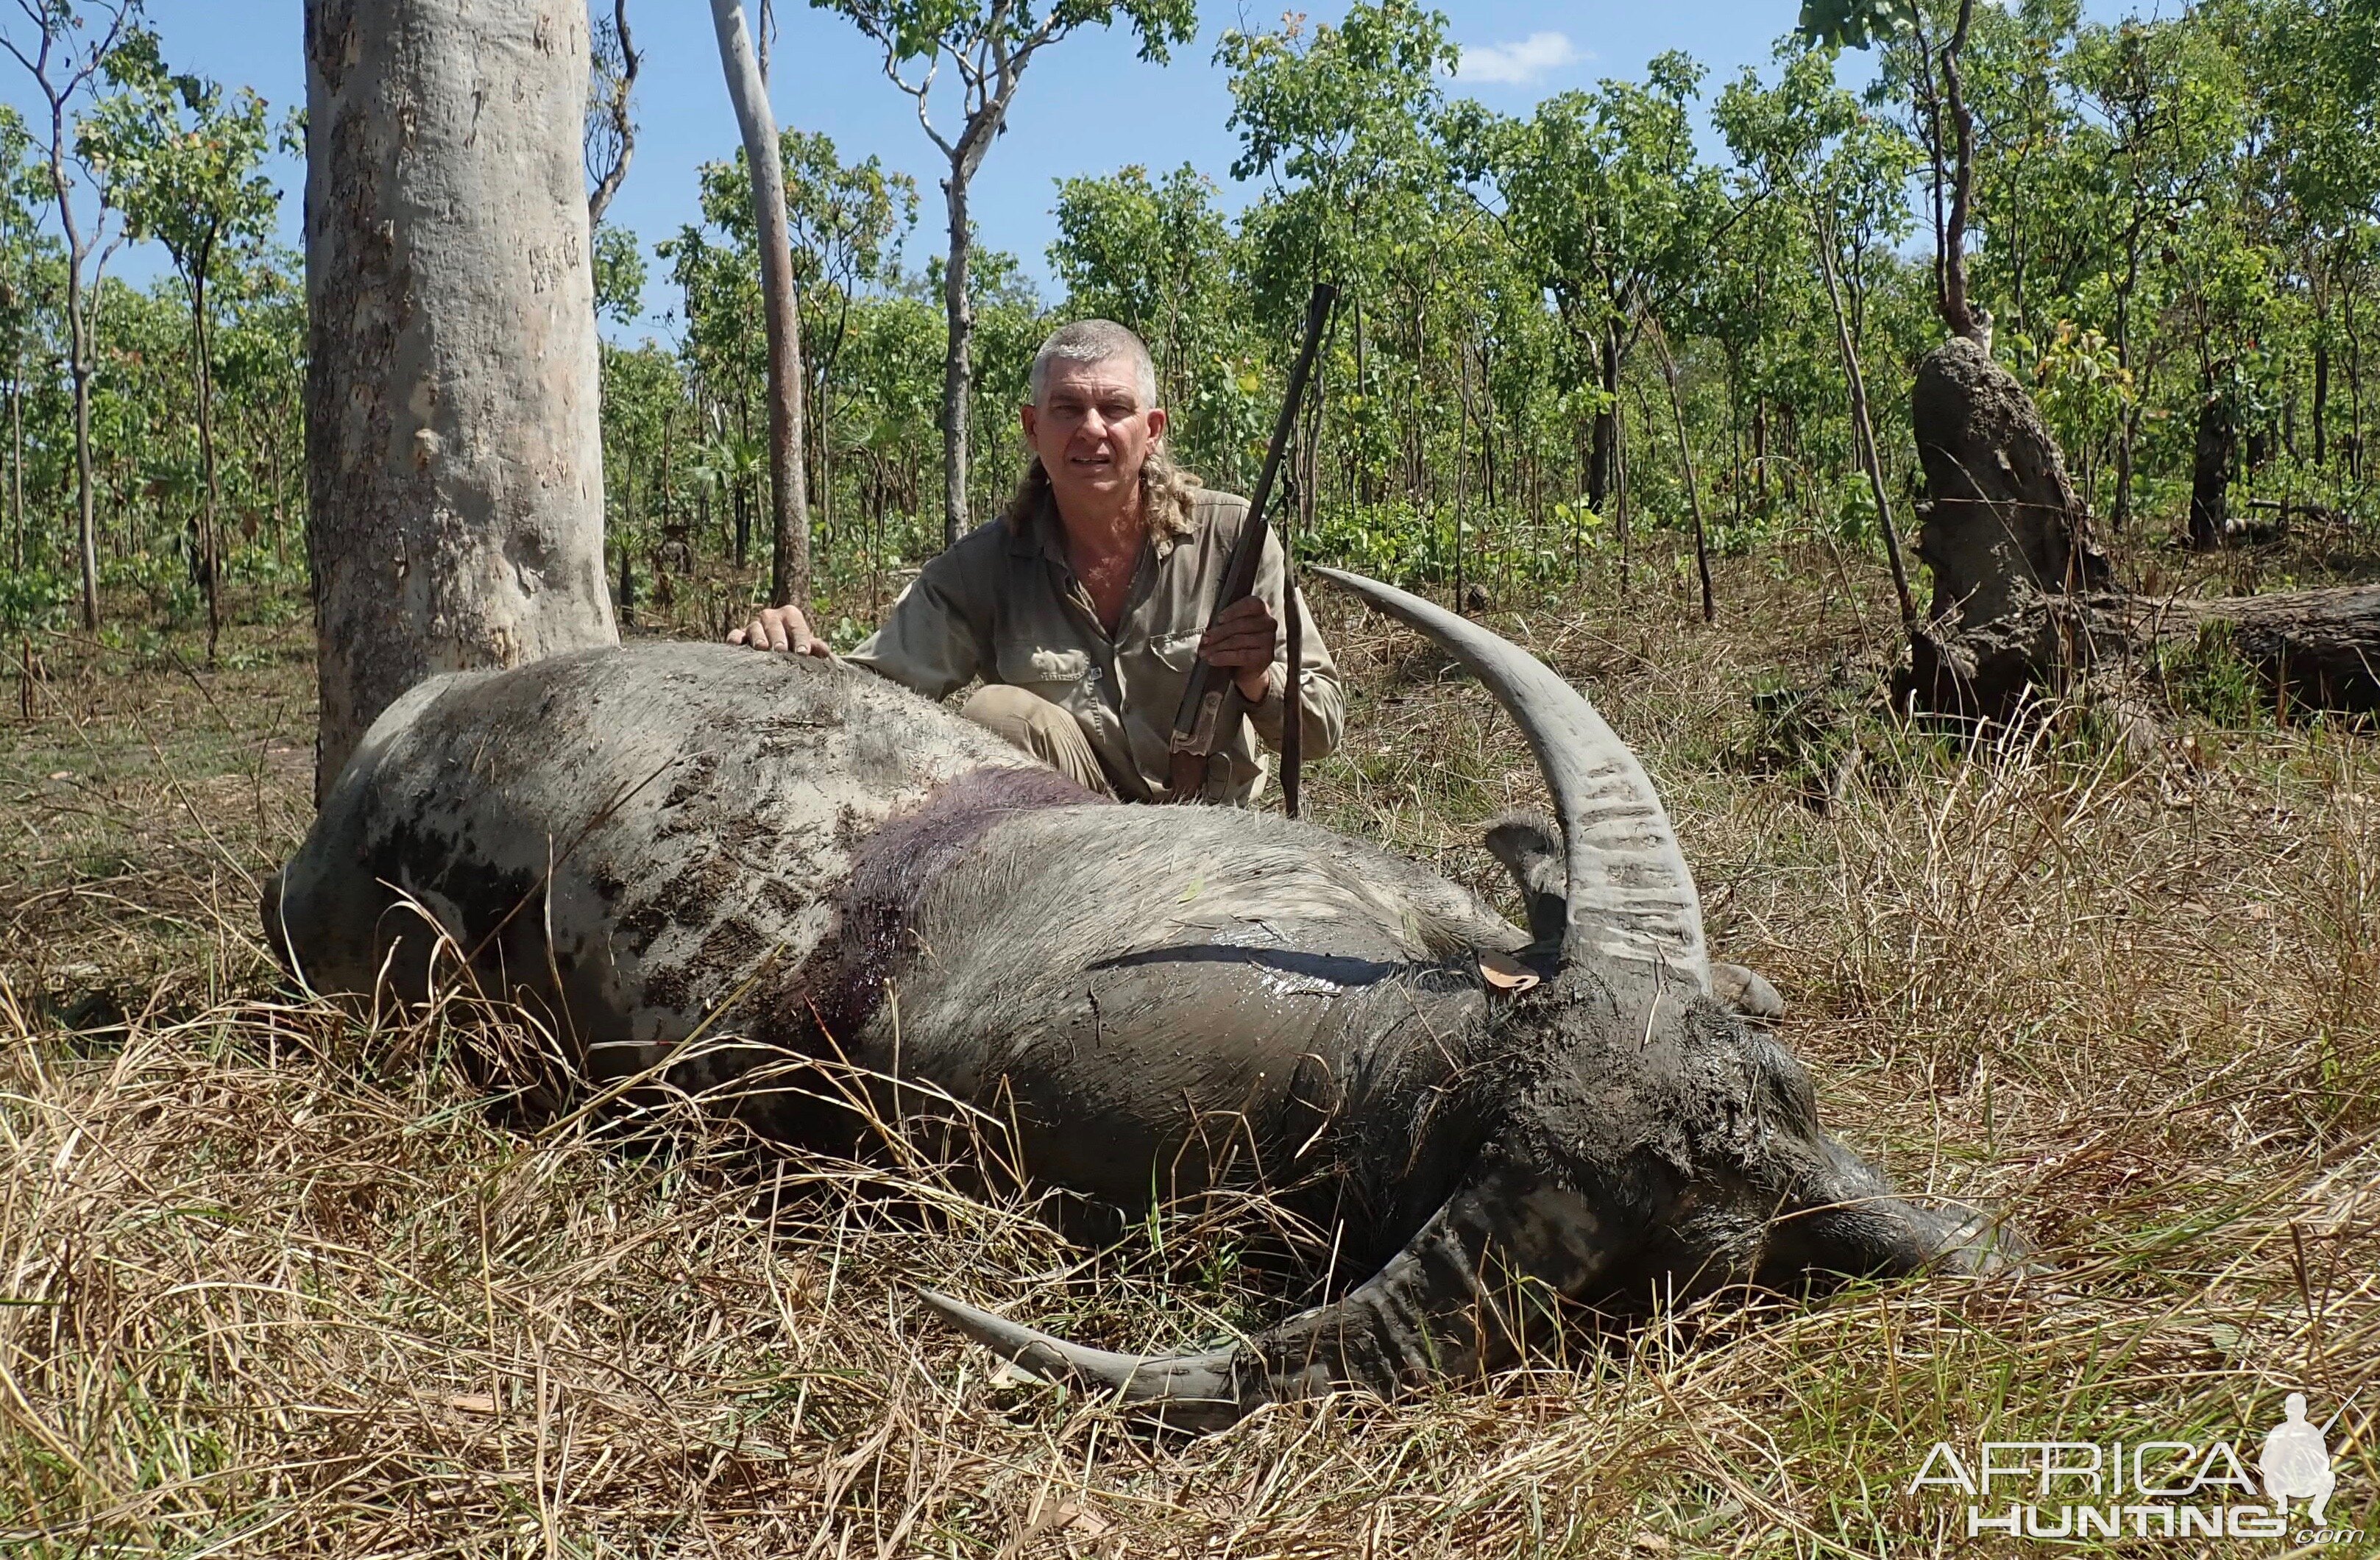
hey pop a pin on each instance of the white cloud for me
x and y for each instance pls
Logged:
(1516, 64)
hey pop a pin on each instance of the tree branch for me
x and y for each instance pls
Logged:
(624, 124)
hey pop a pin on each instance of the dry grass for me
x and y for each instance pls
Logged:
(274, 1280)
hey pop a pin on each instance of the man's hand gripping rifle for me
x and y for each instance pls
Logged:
(1212, 708)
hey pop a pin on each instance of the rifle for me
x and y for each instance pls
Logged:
(1211, 706)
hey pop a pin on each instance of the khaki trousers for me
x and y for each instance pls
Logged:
(1041, 728)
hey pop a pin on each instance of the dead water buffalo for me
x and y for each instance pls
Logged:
(676, 838)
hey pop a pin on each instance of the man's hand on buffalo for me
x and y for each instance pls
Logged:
(779, 628)
(1243, 642)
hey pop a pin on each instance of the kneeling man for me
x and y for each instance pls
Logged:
(1082, 608)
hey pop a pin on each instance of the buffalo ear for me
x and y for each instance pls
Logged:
(1526, 844)
(1628, 895)
(1745, 993)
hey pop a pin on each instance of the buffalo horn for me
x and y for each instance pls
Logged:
(1420, 1315)
(1630, 894)
(1192, 1392)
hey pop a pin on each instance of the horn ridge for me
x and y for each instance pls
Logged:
(1630, 893)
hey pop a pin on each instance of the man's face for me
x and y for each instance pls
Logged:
(1091, 432)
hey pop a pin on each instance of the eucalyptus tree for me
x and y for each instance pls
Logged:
(2034, 178)
(454, 440)
(183, 163)
(2309, 93)
(1151, 254)
(610, 135)
(987, 45)
(1158, 255)
(64, 46)
(1808, 142)
(789, 508)
(1605, 196)
(2164, 111)
(718, 280)
(844, 223)
(27, 261)
(1344, 123)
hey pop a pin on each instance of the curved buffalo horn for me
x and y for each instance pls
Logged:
(1630, 893)
(1424, 1315)
(1192, 1392)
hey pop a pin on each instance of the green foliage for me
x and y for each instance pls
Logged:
(619, 275)
(919, 30)
(33, 600)
(179, 160)
(2208, 677)
(2169, 208)
(1856, 24)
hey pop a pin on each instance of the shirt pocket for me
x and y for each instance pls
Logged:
(1177, 652)
(1055, 675)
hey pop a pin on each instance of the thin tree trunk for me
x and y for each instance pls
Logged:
(2321, 399)
(2214, 459)
(1607, 420)
(1462, 433)
(16, 451)
(958, 363)
(1620, 491)
(1686, 462)
(453, 451)
(1864, 434)
(210, 524)
(1760, 449)
(86, 499)
(1957, 313)
(789, 569)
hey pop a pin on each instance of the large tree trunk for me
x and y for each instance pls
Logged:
(454, 455)
(789, 568)
(2018, 598)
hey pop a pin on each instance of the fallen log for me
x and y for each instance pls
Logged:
(2320, 647)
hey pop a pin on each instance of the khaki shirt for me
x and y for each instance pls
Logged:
(1006, 608)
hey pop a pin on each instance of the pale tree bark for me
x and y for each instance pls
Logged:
(453, 458)
(958, 361)
(789, 570)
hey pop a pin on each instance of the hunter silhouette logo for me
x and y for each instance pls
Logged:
(2296, 1464)
(2149, 1489)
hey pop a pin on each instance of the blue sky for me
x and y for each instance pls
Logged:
(1087, 106)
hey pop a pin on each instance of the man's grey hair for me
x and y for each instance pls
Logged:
(1095, 341)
